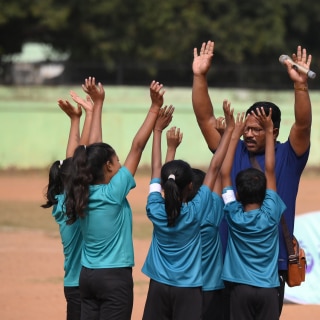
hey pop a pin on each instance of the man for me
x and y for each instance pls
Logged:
(291, 156)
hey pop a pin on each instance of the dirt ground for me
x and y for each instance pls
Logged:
(31, 262)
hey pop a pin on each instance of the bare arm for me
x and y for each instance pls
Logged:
(163, 120)
(74, 134)
(97, 94)
(87, 105)
(267, 125)
(140, 140)
(219, 155)
(228, 161)
(201, 101)
(301, 129)
(174, 138)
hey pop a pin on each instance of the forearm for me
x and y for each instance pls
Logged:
(85, 135)
(156, 161)
(171, 153)
(302, 106)
(74, 136)
(226, 167)
(140, 140)
(96, 123)
(204, 112)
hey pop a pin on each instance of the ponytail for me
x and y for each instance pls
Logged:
(87, 169)
(175, 176)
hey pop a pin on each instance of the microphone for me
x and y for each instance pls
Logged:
(296, 66)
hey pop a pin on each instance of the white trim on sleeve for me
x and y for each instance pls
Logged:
(228, 196)
(155, 187)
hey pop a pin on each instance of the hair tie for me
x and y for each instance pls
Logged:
(61, 163)
(85, 147)
(172, 176)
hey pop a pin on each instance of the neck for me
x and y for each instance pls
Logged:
(251, 206)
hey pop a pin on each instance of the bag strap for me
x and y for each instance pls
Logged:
(292, 256)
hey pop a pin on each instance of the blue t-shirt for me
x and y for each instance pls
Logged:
(72, 242)
(107, 225)
(288, 169)
(253, 243)
(174, 256)
(212, 258)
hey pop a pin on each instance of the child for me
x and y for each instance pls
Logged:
(70, 235)
(212, 260)
(97, 195)
(173, 262)
(250, 266)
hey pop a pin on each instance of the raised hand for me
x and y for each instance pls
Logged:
(69, 109)
(164, 118)
(302, 59)
(156, 93)
(202, 62)
(96, 92)
(86, 104)
(174, 137)
(228, 115)
(264, 120)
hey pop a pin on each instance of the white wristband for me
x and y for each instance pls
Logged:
(155, 187)
(228, 196)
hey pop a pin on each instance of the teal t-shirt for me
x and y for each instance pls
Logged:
(253, 243)
(72, 242)
(174, 256)
(212, 257)
(107, 225)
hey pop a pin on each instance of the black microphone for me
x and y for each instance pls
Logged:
(296, 66)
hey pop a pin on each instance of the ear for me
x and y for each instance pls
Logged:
(237, 196)
(190, 186)
(108, 165)
(275, 133)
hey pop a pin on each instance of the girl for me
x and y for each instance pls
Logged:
(97, 194)
(173, 262)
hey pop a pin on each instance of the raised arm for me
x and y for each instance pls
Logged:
(266, 123)
(74, 113)
(220, 153)
(87, 105)
(97, 94)
(141, 138)
(201, 101)
(163, 120)
(226, 167)
(174, 138)
(301, 129)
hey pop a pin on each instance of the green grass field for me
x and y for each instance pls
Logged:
(35, 130)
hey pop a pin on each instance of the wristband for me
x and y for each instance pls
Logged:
(300, 88)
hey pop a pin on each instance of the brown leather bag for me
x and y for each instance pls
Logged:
(297, 265)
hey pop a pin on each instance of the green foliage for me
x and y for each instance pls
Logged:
(151, 32)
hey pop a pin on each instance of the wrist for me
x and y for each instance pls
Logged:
(300, 87)
(154, 109)
(159, 130)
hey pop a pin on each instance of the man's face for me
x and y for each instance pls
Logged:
(254, 135)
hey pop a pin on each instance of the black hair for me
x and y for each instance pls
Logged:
(197, 181)
(251, 186)
(58, 176)
(276, 112)
(87, 168)
(175, 187)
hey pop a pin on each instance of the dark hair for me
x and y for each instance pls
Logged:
(87, 168)
(276, 113)
(58, 176)
(251, 186)
(197, 181)
(175, 187)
